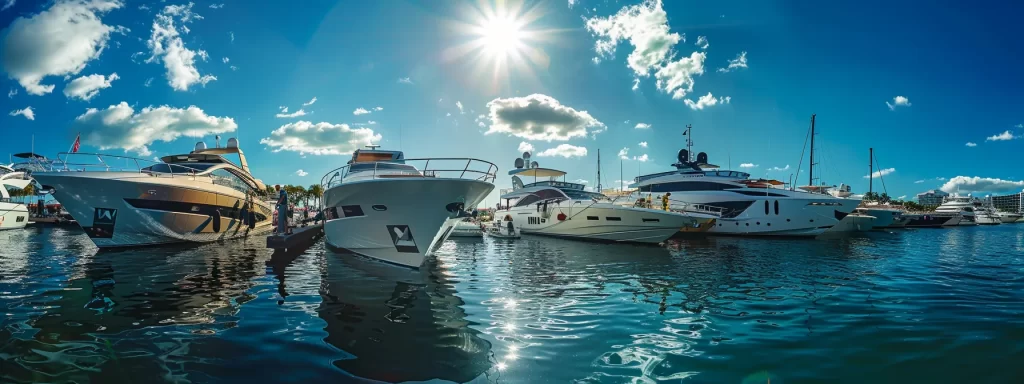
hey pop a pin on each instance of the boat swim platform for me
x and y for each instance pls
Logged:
(300, 238)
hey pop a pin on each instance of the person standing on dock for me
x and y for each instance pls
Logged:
(282, 209)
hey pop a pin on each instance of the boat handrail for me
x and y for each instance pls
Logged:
(676, 205)
(128, 164)
(451, 167)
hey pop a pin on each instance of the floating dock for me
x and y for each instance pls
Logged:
(301, 237)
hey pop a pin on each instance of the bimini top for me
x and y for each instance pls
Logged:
(375, 155)
(536, 172)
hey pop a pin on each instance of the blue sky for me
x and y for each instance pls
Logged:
(916, 83)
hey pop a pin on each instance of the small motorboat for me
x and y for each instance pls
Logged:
(467, 228)
(504, 229)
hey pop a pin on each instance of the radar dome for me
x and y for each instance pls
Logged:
(683, 156)
(200, 146)
(533, 164)
(232, 143)
(702, 158)
(519, 163)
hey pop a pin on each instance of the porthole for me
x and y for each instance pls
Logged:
(748, 224)
(758, 223)
(379, 207)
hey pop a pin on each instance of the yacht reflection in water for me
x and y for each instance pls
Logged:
(399, 324)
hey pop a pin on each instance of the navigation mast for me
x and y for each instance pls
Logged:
(811, 172)
(689, 141)
(598, 170)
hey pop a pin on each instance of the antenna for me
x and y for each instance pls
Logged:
(810, 175)
(599, 170)
(871, 169)
(689, 141)
(373, 146)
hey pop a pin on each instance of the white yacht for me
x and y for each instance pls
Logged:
(467, 228)
(749, 207)
(885, 217)
(194, 197)
(382, 206)
(1010, 217)
(12, 214)
(958, 209)
(550, 207)
(854, 222)
(985, 213)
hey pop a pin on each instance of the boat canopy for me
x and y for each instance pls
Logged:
(536, 172)
(375, 155)
(28, 155)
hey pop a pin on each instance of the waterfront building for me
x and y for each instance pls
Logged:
(1009, 203)
(931, 198)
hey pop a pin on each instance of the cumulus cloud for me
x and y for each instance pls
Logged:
(311, 101)
(967, 184)
(525, 147)
(919, 182)
(748, 165)
(786, 168)
(642, 158)
(640, 125)
(27, 112)
(87, 87)
(404, 80)
(676, 78)
(580, 181)
(540, 117)
(218, 6)
(898, 101)
(970, 144)
(59, 41)
(1007, 135)
(165, 44)
(702, 42)
(119, 126)
(301, 173)
(285, 115)
(624, 154)
(643, 144)
(564, 150)
(739, 62)
(378, 109)
(360, 111)
(459, 104)
(707, 101)
(644, 26)
(320, 138)
(881, 172)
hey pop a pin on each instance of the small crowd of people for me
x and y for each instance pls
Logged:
(648, 202)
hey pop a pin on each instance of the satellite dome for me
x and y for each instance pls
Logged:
(683, 156)
(200, 146)
(519, 163)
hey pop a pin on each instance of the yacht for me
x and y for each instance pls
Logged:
(13, 215)
(932, 219)
(1010, 217)
(467, 228)
(854, 222)
(885, 217)
(194, 197)
(381, 205)
(549, 207)
(959, 210)
(985, 213)
(748, 207)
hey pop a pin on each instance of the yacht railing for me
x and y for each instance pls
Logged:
(443, 167)
(116, 163)
(639, 200)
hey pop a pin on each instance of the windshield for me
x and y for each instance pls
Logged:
(178, 168)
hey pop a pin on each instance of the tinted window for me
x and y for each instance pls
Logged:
(228, 179)
(683, 186)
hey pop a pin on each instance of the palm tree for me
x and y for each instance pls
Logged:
(316, 191)
(884, 198)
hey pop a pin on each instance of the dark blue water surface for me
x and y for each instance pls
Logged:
(912, 306)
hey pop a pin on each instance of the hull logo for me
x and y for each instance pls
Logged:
(401, 235)
(103, 223)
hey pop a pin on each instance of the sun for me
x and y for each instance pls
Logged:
(501, 36)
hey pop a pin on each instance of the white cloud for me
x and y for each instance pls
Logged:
(233, 68)
(901, 197)
(119, 126)
(786, 168)
(642, 158)
(898, 101)
(564, 150)
(232, 34)
(1019, 125)
(371, 122)
(225, 60)
(1007, 135)
(881, 172)
(87, 87)
(27, 112)
(676, 78)
(624, 154)
(11, 93)
(459, 104)
(702, 42)
(311, 101)
(748, 165)
(360, 111)
(285, 115)
(404, 80)
(640, 125)
(10, 3)
(636, 83)
(59, 41)
(301, 173)
(739, 62)
(540, 117)
(967, 184)
(283, 108)
(643, 144)
(320, 138)
(203, 55)
(448, 114)
(525, 147)
(378, 109)
(148, 82)
(165, 44)
(644, 26)
(970, 144)
(580, 181)
(707, 101)
(219, 6)
(919, 182)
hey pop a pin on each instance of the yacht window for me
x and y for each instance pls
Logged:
(612, 218)
(776, 208)
(592, 218)
(766, 211)
(684, 186)
(541, 195)
(225, 178)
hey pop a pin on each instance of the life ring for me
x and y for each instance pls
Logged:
(561, 216)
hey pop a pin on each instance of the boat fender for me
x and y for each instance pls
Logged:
(216, 220)
(561, 216)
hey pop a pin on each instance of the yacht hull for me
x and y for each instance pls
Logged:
(884, 218)
(1009, 218)
(13, 215)
(932, 220)
(853, 223)
(605, 223)
(122, 209)
(399, 221)
(800, 216)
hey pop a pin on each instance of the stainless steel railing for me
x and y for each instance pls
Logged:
(116, 163)
(456, 168)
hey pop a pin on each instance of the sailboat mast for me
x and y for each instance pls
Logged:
(598, 170)
(689, 141)
(622, 183)
(871, 169)
(810, 174)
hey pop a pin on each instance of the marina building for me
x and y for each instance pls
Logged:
(1009, 203)
(931, 198)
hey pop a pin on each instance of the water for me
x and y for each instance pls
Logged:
(907, 306)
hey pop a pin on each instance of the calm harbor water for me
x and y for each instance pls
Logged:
(890, 307)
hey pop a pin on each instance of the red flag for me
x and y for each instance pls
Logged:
(77, 144)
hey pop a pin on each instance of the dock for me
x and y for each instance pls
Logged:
(300, 238)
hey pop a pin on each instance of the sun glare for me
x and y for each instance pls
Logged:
(501, 36)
